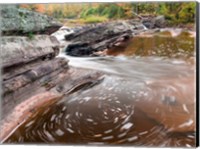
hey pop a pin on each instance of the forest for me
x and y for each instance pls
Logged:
(174, 12)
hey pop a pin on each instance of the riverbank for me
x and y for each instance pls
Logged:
(120, 69)
(30, 67)
(76, 80)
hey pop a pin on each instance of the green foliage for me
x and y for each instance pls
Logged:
(105, 12)
(111, 11)
(120, 13)
(100, 9)
(174, 12)
(88, 12)
(30, 36)
(178, 12)
(187, 13)
(95, 19)
(162, 9)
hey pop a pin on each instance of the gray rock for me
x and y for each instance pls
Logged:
(28, 77)
(160, 21)
(169, 100)
(100, 37)
(20, 49)
(157, 22)
(21, 21)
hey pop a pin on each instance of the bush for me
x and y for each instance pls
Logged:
(111, 11)
(95, 19)
(88, 12)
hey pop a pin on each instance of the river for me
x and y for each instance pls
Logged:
(145, 98)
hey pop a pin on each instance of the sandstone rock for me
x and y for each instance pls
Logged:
(21, 21)
(33, 74)
(28, 62)
(20, 49)
(24, 111)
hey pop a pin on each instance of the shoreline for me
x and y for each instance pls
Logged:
(24, 111)
(26, 108)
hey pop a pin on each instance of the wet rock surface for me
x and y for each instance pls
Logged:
(24, 102)
(91, 39)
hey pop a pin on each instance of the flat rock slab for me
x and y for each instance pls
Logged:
(21, 49)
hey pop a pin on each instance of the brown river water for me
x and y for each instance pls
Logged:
(146, 100)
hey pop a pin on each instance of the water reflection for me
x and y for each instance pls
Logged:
(161, 44)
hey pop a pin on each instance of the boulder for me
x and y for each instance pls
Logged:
(79, 48)
(160, 21)
(17, 21)
(94, 38)
(154, 22)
